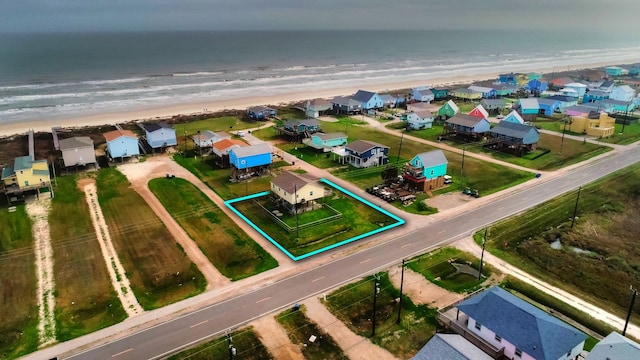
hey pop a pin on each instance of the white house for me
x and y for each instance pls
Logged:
(614, 347)
(206, 139)
(622, 93)
(296, 190)
(422, 94)
(420, 120)
(77, 151)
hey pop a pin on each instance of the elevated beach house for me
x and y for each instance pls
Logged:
(346, 105)
(528, 106)
(220, 151)
(487, 92)
(77, 151)
(548, 106)
(205, 139)
(422, 94)
(326, 141)
(559, 83)
(261, 113)
(159, 135)
(513, 138)
(616, 106)
(448, 109)
(25, 174)
(513, 117)
(506, 90)
(479, 112)
(249, 160)
(440, 93)
(622, 93)
(536, 86)
(466, 94)
(613, 71)
(296, 192)
(121, 143)
(510, 78)
(364, 154)
(426, 171)
(368, 99)
(466, 127)
(450, 347)
(578, 87)
(420, 120)
(615, 346)
(389, 101)
(594, 124)
(494, 106)
(564, 101)
(316, 107)
(595, 95)
(299, 128)
(511, 328)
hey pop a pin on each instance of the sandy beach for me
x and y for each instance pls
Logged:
(154, 113)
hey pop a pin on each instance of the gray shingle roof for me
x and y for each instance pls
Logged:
(511, 129)
(494, 102)
(345, 101)
(450, 347)
(361, 146)
(432, 158)
(251, 150)
(363, 96)
(530, 329)
(561, 98)
(464, 120)
(289, 181)
(529, 103)
(75, 142)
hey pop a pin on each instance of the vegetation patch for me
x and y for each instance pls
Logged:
(246, 343)
(85, 299)
(19, 309)
(159, 272)
(299, 329)
(228, 248)
(353, 305)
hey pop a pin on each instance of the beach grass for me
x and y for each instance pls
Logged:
(353, 305)
(18, 278)
(85, 299)
(228, 248)
(159, 271)
(246, 342)
(222, 123)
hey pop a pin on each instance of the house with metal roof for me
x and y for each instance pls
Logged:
(506, 89)
(296, 191)
(606, 85)
(613, 70)
(548, 106)
(622, 93)
(26, 174)
(466, 94)
(251, 158)
(368, 99)
(595, 95)
(77, 151)
(426, 171)
(487, 92)
(493, 105)
(122, 143)
(159, 135)
(417, 120)
(564, 101)
(422, 94)
(450, 347)
(536, 86)
(389, 100)
(206, 138)
(466, 127)
(439, 93)
(616, 106)
(521, 330)
(513, 137)
(346, 105)
(326, 141)
(615, 347)
(364, 153)
(220, 151)
(528, 106)
(510, 78)
(578, 87)
(261, 113)
(316, 107)
(513, 117)
(298, 126)
(479, 112)
(448, 109)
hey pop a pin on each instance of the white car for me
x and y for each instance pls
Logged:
(448, 179)
(240, 133)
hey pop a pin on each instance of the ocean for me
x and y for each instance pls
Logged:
(52, 76)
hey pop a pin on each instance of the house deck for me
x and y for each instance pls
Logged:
(456, 321)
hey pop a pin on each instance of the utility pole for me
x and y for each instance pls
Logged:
(626, 117)
(575, 209)
(634, 293)
(564, 127)
(185, 142)
(295, 207)
(399, 149)
(462, 166)
(376, 290)
(232, 349)
(400, 299)
(484, 240)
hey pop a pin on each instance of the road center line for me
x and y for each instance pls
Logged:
(265, 299)
(362, 262)
(405, 245)
(320, 278)
(198, 324)
(121, 352)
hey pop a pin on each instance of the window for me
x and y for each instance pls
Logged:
(498, 338)
(431, 172)
(518, 352)
(310, 193)
(478, 326)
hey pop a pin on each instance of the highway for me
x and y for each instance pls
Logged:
(163, 339)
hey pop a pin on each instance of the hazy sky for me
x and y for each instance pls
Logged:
(153, 15)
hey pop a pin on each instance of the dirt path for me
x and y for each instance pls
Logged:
(38, 211)
(118, 276)
(275, 339)
(422, 291)
(354, 346)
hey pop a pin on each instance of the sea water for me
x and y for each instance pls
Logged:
(49, 76)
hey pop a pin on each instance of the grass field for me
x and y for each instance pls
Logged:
(224, 123)
(353, 305)
(299, 328)
(18, 310)
(159, 271)
(246, 342)
(228, 248)
(599, 256)
(85, 299)
(630, 135)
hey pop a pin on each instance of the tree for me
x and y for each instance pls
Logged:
(389, 173)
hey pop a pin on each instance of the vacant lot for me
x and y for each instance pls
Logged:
(246, 342)
(228, 248)
(18, 308)
(223, 123)
(85, 299)
(159, 271)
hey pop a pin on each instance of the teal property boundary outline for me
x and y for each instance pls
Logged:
(399, 221)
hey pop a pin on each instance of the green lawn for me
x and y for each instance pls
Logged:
(19, 310)
(246, 342)
(228, 248)
(159, 271)
(353, 305)
(224, 123)
(85, 299)
(299, 328)
(630, 135)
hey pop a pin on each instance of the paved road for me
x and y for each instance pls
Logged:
(165, 338)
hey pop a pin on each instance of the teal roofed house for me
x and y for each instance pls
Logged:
(528, 106)
(326, 141)
(426, 171)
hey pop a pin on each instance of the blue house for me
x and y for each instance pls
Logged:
(422, 94)
(160, 135)
(513, 117)
(300, 126)
(594, 95)
(508, 78)
(487, 92)
(326, 141)
(122, 143)
(513, 137)
(261, 113)
(426, 171)
(613, 70)
(465, 126)
(528, 106)
(617, 106)
(564, 101)
(252, 156)
(389, 101)
(369, 100)
(536, 86)
(363, 154)
(548, 106)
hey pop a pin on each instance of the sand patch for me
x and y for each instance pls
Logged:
(422, 291)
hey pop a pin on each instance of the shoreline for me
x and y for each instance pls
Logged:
(158, 112)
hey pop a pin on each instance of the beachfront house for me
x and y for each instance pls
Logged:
(569, 92)
(419, 120)
(536, 86)
(559, 83)
(300, 126)
(503, 90)
(578, 87)
(615, 347)
(507, 78)
(448, 110)
(440, 93)
(613, 71)
(606, 85)
(121, 143)
(514, 328)
(346, 105)
(364, 154)
(205, 139)
(494, 106)
(466, 94)
(422, 94)
(548, 106)
(634, 70)
(26, 174)
(422, 106)
(316, 107)
(513, 137)
(616, 106)
(528, 106)
(466, 127)
(326, 141)
(426, 171)
(296, 192)
(389, 101)
(594, 124)
(159, 135)
(514, 117)
(261, 113)
(77, 151)
(595, 95)
(564, 101)
(247, 161)
(487, 92)
(479, 112)
(220, 151)
(368, 99)
(622, 93)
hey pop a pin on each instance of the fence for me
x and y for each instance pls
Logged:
(284, 225)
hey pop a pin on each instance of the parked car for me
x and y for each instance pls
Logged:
(448, 179)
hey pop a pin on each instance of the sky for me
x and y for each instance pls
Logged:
(170, 15)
